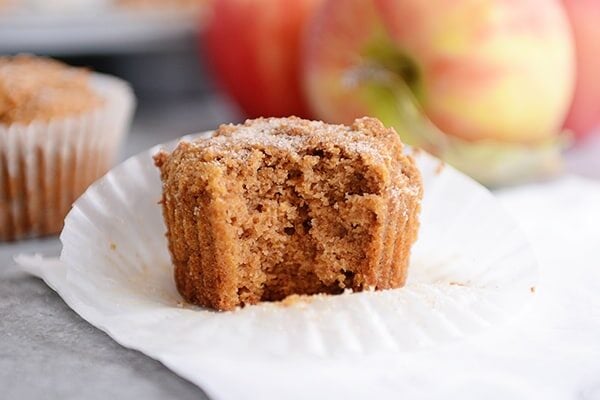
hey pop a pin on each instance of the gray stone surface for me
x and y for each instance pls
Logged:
(47, 351)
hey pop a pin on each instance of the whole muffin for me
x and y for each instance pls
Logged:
(60, 129)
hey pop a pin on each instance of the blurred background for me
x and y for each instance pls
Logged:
(152, 44)
(422, 67)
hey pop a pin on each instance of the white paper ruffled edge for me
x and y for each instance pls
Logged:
(443, 309)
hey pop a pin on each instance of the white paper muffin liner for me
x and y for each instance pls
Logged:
(471, 268)
(45, 166)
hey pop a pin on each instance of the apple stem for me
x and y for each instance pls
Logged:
(409, 119)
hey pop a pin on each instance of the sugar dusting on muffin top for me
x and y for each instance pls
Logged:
(295, 134)
(41, 89)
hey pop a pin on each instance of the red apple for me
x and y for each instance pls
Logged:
(254, 47)
(584, 115)
(485, 84)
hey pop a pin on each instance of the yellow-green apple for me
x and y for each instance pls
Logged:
(485, 84)
(584, 115)
(254, 48)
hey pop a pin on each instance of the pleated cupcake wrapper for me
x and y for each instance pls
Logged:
(44, 167)
(471, 268)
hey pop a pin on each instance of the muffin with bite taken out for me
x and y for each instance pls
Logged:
(285, 206)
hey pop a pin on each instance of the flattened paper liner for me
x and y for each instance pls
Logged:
(470, 269)
(45, 166)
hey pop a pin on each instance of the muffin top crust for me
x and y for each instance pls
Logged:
(41, 89)
(366, 135)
